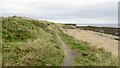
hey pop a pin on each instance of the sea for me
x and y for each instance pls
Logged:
(101, 25)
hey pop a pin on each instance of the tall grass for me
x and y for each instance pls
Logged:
(0, 41)
(28, 42)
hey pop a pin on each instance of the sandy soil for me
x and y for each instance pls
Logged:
(96, 39)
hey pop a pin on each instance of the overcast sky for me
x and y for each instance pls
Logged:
(64, 11)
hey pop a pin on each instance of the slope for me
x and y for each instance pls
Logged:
(28, 42)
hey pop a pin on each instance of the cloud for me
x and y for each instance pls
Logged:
(73, 11)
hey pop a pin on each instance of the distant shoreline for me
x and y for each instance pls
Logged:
(108, 30)
(101, 25)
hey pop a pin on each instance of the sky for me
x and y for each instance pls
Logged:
(63, 11)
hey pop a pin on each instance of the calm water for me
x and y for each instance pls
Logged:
(101, 25)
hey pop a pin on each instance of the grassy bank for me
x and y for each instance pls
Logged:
(28, 42)
(0, 42)
(88, 55)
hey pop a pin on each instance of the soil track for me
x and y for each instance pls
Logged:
(68, 53)
(105, 41)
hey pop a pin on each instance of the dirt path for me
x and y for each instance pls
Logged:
(96, 39)
(68, 53)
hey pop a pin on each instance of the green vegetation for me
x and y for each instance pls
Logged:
(28, 42)
(0, 42)
(88, 55)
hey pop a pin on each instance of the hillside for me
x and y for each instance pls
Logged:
(28, 42)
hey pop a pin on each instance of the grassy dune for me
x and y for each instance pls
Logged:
(29, 42)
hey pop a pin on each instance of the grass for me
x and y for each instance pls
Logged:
(88, 55)
(0, 42)
(28, 42)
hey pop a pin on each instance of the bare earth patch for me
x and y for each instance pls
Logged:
(99, 40)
